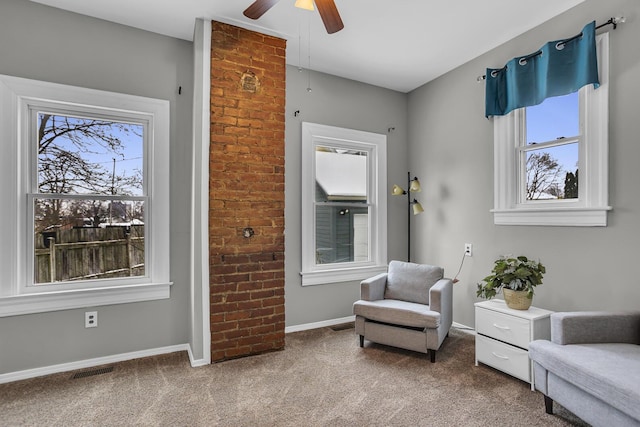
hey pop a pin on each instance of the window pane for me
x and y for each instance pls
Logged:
(342, 234)
(341, 175)
(554, 119)
(89, 156)
(88, 239)
(552, 173)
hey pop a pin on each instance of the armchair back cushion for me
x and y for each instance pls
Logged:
(411, 282)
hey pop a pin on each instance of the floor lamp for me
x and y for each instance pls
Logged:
(413, 186)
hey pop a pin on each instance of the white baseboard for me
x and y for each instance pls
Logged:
(89, 363)
(464, 328)
(316, 325)
(341, 320)
(198, 362)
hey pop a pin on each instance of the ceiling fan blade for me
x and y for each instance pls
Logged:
(330, 16)
(258, 8)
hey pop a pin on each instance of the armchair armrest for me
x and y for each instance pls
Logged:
(595, 327)
(441, 296)
(372, 289)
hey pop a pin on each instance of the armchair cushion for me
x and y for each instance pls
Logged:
(411, 282)
(398, 313)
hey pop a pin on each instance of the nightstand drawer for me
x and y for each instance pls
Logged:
(511, 360)
(503, 327)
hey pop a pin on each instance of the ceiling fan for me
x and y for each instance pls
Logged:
(327, 8)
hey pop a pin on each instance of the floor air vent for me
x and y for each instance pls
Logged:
(342, 326)
(92, 372)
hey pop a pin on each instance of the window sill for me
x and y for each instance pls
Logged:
(324, 277)
(66, 300)
(568, 217)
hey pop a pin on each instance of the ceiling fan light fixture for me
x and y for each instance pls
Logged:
(327, 9)
(305, 4)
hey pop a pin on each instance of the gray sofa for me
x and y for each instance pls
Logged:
(409, 307)
(591, 366)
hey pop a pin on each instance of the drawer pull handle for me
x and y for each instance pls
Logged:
(499, 356)
(504, 328)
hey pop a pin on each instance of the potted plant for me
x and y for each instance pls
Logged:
(516, 277)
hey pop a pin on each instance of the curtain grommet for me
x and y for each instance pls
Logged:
(522, 61)
(560, 45)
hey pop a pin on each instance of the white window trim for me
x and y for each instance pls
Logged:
(592, 206)
(376, 146)
(16, 97)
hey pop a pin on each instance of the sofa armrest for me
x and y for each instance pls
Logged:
(595, 327)
(441, 296)
(372, 289)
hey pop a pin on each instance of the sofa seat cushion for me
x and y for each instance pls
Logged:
(609, 372)
(397, 312)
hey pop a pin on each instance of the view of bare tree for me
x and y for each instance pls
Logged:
(71, 154)
(543, 177)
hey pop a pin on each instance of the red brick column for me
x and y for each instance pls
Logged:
(246, 192)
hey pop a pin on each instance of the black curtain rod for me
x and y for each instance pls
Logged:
(611, 21)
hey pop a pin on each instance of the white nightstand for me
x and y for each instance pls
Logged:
(503, 336)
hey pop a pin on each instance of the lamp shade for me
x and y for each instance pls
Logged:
(304, 4)
(417, 207)
(397, 191)
(415, 186)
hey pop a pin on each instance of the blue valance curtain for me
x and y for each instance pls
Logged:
(560, 67)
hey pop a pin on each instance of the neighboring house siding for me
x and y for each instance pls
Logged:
(344, 238)
(335, 232)
(325, 229)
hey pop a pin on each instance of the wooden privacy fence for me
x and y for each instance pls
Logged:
(89, 253)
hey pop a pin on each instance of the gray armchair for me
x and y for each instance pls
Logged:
(591, 366)
(409, 307)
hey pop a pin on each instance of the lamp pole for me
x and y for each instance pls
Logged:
(408, 216)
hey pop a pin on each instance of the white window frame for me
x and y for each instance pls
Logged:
(591, 207)
(18, 294)
(376, 147)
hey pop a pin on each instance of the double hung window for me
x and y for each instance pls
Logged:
(85, 218)
(551, 160)
(343, 204)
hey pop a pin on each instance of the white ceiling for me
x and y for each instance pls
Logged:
(397, 44)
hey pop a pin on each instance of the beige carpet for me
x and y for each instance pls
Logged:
(322, 378)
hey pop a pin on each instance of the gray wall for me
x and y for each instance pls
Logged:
(451, 147)
(48, 44)
(440, 133)
(344, 103)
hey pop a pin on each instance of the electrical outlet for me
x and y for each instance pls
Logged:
(468, 249)
(91, 319)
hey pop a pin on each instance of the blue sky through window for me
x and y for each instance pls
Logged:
(88, 140)
(556, 118)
